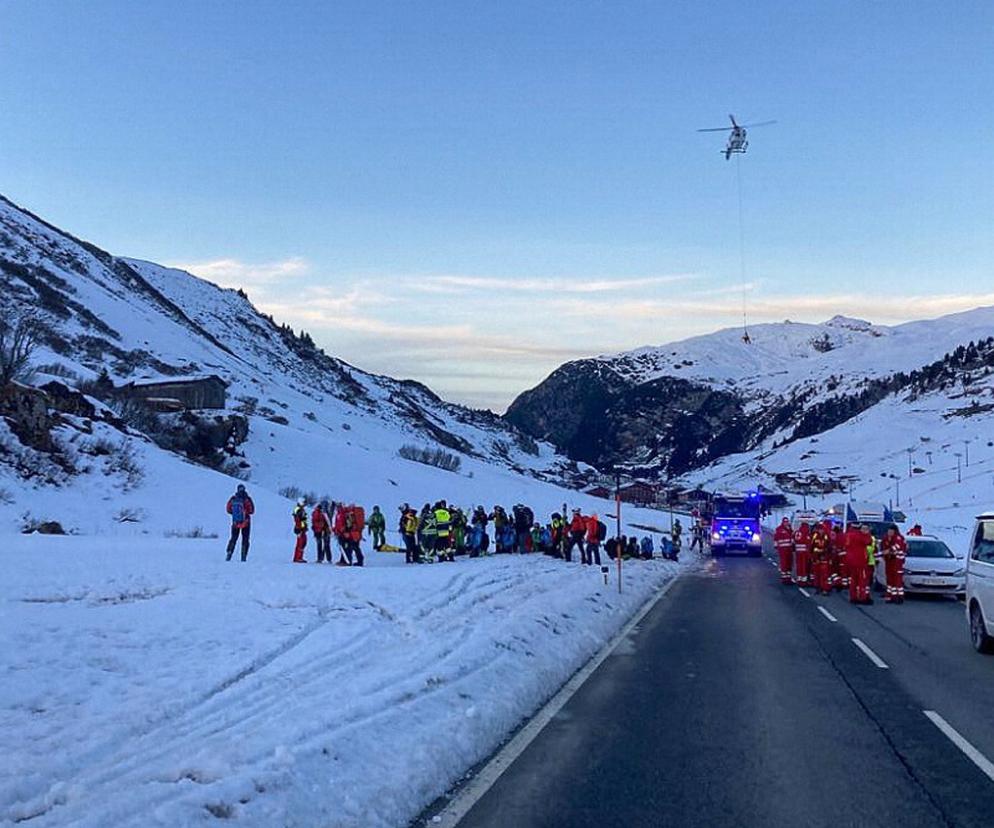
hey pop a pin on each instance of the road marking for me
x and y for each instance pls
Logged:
(474, 790)
(975, 755)
(827, 614)
(870, 654)
(804, 592)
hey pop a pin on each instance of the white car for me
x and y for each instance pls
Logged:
(931, 567)
(980, 584)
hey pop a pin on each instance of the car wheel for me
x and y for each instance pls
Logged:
(982, 642)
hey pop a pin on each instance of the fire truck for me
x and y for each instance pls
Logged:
(735, 524)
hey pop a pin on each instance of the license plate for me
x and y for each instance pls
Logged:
(932, 582)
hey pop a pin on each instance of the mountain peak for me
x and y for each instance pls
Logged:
(850, 322)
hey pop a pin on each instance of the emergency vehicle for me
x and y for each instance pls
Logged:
(735, 524)
(875, 516)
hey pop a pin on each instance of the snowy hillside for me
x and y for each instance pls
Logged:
(312, 421)
(677, 408)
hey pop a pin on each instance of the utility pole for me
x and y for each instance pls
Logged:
(959, 471)
(911, 452)
(617, 506)
(966, 445)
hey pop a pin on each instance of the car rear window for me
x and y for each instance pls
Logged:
(929, 549)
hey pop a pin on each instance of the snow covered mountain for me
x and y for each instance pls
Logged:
(294, 416)
(701, 405)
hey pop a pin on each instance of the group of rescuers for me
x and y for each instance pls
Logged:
(439, 532)
(824, 556)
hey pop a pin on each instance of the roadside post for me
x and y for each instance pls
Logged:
(617, 506)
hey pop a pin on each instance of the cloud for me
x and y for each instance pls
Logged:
(552, 285)
(233, 273)
(816, 307)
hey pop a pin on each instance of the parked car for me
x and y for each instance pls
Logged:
(980, 584)
(931, 567)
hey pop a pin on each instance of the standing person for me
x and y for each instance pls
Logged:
(409, 532)
(422, 522)
(443, 532)
(557, 529)
(241, 508)
(821, 555)
(915, 530)
(697, 536)
(300, 530)
(321, 527)
(577, 530)
(522, 528)
(594, 535)
(377, 528)
(802, 553)
(353, 526)
(858, 543)
(895, 550)
(783, 542)
(842, 580)
(676, 535)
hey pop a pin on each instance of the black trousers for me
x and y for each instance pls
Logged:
(323, 542)
(411, 552)
(351, 548)
(575, 539)
(245, 531)
(592, 553)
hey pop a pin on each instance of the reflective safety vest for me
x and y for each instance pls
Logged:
(442, 521)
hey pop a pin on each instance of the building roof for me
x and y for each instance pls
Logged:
(184, 380)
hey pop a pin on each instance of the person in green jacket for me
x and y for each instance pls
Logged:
(443, 532)
(377, 528)
(429, 535)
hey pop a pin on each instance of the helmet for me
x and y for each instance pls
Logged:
(240, 488)
(301, 501)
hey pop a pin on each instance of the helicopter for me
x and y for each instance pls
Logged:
(737, 142)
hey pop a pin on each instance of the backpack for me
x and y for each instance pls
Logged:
(601, 530)
(237, 510)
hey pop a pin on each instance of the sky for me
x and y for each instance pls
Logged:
(470, 194)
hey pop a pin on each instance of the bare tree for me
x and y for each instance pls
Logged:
(18, 341)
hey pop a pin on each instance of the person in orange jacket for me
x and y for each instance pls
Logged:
(802, 554)
(300, 530)
(858, 542)
(821, 553)
(321, 527)
(783, 542)
(577, 531)
(592, 550)
(895, 550)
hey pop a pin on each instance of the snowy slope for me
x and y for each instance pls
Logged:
(313, 421)
(724, 396)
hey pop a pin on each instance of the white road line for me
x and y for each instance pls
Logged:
(474, 790)
(827, 614)
(804, 592)
(975, 755)
(870, 654)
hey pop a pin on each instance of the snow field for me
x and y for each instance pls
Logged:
(150, 682)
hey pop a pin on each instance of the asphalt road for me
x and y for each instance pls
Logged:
(737, 702)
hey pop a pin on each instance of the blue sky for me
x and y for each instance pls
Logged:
(471, 193)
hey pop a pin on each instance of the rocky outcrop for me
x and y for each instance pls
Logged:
(662, 427)
(25, 410)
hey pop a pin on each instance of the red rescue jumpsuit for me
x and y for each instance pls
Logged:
(821, 552)
(857, 542)
(783, 542)
(841, 567)
(300, 530)
(802, 554)
(895, 550)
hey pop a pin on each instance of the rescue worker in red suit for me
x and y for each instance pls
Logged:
(857, 544)
(321, 527)
(895, 549)
(821, 554)
(842, 579)
(916, 530)
(783, 542)
(300, 530)
(577, 531)
(802, 554)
